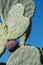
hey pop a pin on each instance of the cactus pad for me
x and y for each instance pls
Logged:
(26, 55)
(3, 34)
(17, 19)
(5, 6)
(29, 7)
(17, 24)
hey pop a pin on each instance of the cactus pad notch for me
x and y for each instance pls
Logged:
(29, 7)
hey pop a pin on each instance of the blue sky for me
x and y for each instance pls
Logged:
(36, 36)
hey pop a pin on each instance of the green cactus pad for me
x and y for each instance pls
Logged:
(5, 6)
(26, 55)
(3, 42)
(3, 34)
(3, 29)
(17, 24)
(29, 7)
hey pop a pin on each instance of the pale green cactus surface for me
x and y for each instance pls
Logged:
(16, 23)
(26, 55)
(3, 40)
(29, 7)
(5, 6)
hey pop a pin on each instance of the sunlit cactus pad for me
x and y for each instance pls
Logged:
(5, 6)
(17, 23)
(26, 55)
(3, 34)
(29, 7)
(15, 15)
(15, 27)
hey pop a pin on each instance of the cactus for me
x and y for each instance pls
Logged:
(3, 40)
(16, 22)
(16, 15)
(5, 6)
(26, 55)
(14, 29)
(29, 7)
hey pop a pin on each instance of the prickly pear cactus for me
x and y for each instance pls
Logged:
(16, 22)
(13, 29)
(26, 55)
(5, 6)
(3, 34)
(29, 7)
